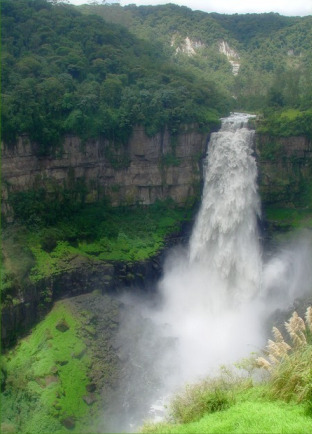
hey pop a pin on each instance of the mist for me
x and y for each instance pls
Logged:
(217, 295)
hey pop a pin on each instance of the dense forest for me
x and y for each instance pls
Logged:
(273, 50)
(78, 70)
(65, 72)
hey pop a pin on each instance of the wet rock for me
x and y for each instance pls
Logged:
(69, 422)
(50, 379)
(89, 399)
(91, 387)
(62, 362)
(62, 326)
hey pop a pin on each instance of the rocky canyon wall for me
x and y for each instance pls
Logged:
(285, 170)
(142, 171)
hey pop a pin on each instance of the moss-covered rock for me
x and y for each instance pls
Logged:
(285, 181)
(64, 382)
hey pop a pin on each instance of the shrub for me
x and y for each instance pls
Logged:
(290, 363)
(196, 400)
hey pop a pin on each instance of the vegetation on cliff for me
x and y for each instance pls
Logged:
(35, 249)
(60, 377)
(287, 122)
(68, 73)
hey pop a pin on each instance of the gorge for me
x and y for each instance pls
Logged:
(148, 236)
(163, 339)
(217, 293)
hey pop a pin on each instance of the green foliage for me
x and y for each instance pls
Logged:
(287, 123)
(68, 73)
(46, 377)
(292, 379)
(274, 51)
(197, 400)
(41, 207)
(270, 150)
(16, 262)
(249, 416)
(289, 217)
(170, 159)
(96, 231)
(290, 363)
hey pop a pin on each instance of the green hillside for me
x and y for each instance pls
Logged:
(271, 48)
(67, 73)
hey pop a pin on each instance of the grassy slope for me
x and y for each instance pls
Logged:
(280, 403)
(97, 232)
(46, 377)
(42, 386)
(252, 416)
(120, 235)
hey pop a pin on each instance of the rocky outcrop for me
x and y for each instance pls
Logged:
(185, 45)
(82, 276)
(285, 170)
(85, 276)
(232, 56)
(143, 170)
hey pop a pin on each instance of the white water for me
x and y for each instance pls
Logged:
(225, 237)
(217, 293)
(210, 291)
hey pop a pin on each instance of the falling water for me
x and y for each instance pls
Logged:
(225, 236)
(209, 289)
(217, 293)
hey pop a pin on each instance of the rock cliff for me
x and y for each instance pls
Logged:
(285, 170)
(143, 170)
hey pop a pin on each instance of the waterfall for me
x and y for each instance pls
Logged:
(216, 294)
(225, 235)
(208, 290)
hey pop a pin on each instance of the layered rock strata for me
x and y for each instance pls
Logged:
(142, 171)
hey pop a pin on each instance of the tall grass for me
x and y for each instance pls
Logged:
(208, 396)
(290, 364)
(282, 403)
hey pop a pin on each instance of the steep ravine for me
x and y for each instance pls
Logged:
(285, 173)
(88, 308)
(82, 275)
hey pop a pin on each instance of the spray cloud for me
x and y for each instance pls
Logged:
(216, 294)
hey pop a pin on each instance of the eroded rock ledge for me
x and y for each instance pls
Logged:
(141, 171)
(83, 276)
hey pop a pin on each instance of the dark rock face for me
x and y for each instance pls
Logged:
(84, 277)
(62, 326)
(69, 422)
(285, 168)
(158, 167)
